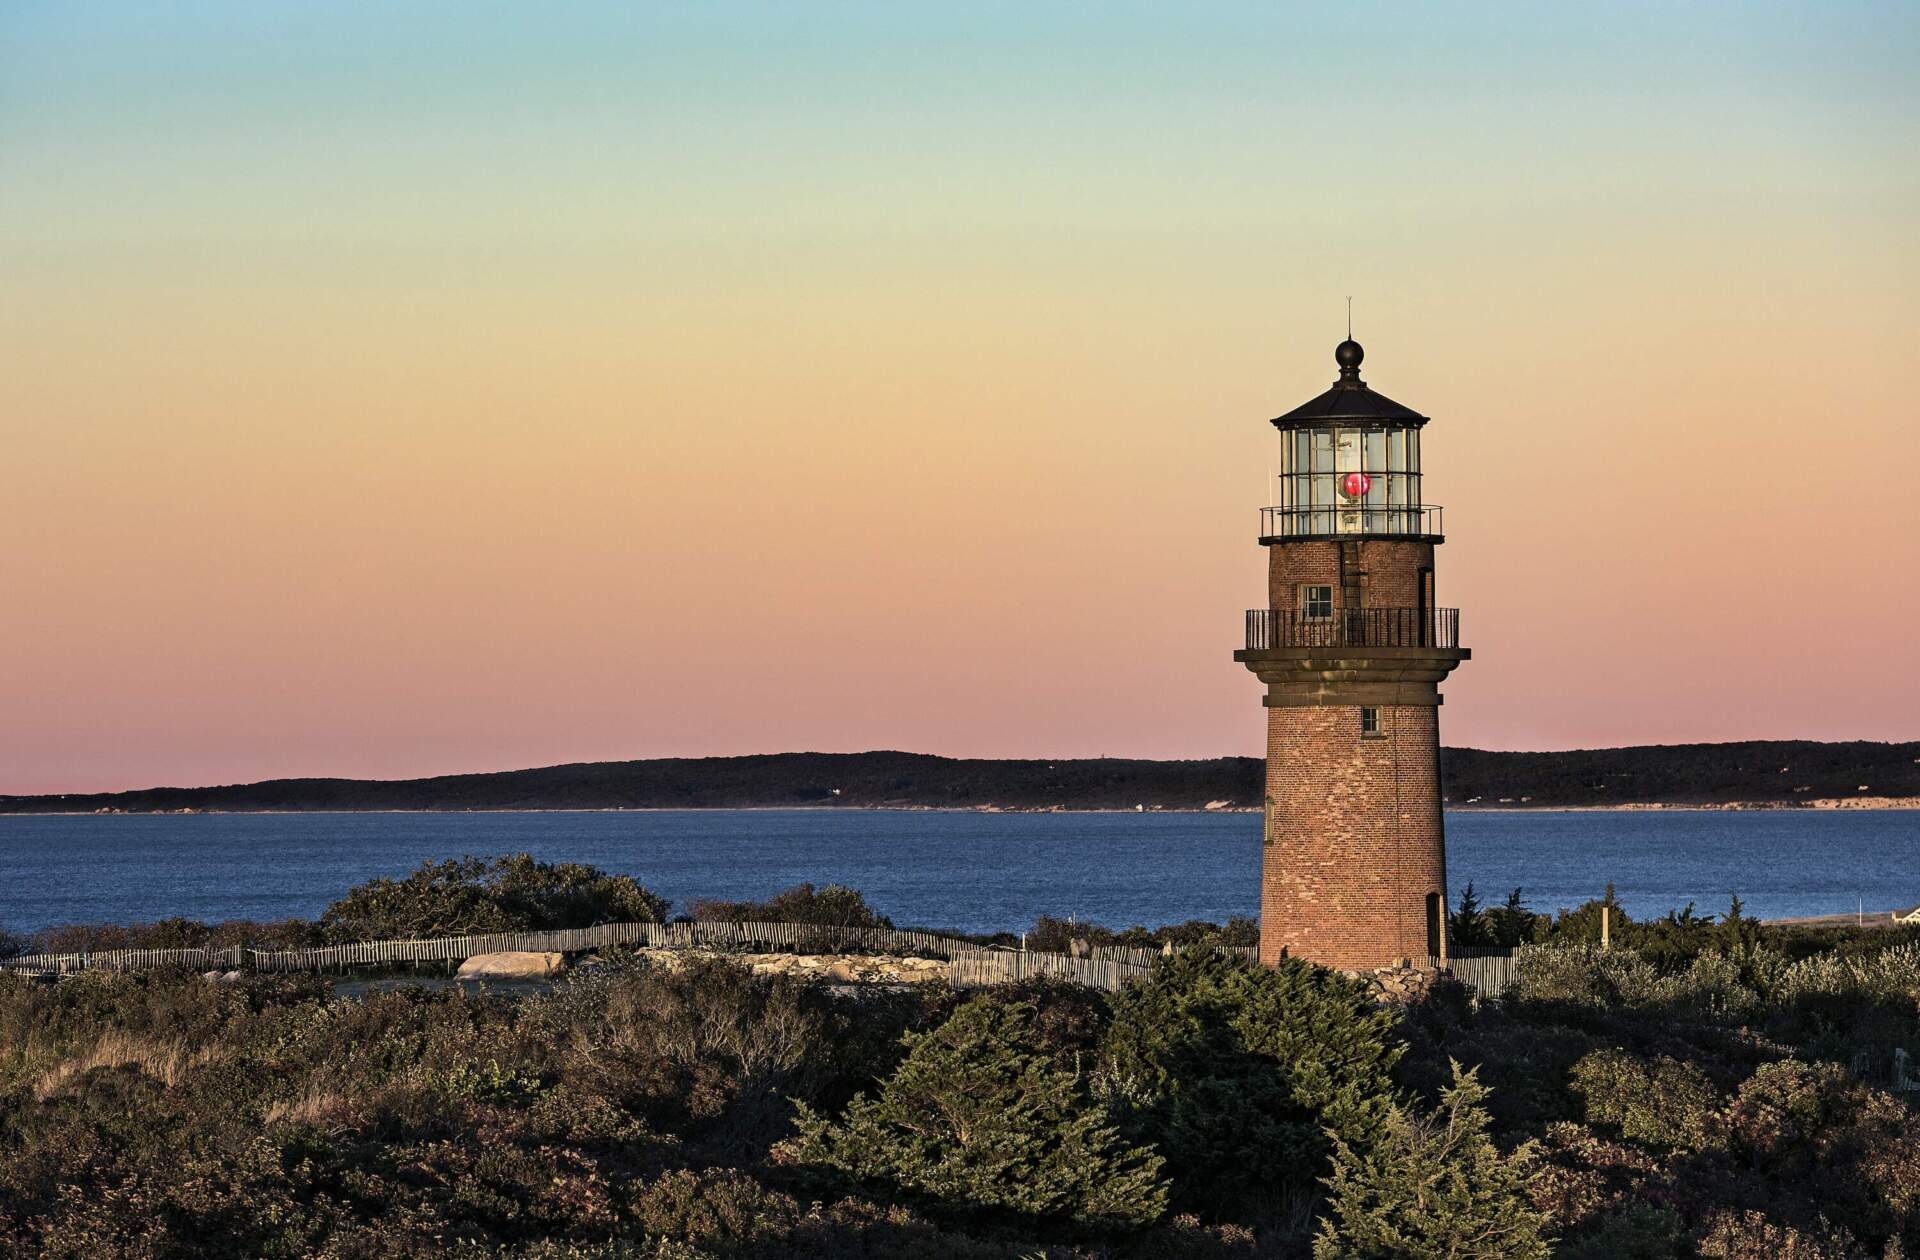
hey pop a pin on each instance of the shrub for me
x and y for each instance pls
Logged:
(832, 906)
(1433, 1185)
(718, 1208)
(1238, 931)
(1638, 1231)
(1787, 1114)
(1716, 986)
(708, 1042)
(1889, 973)
(1781, 1106)
(979, 1117)
(1469, 925)
(1663, 1102)
(1751, 1235)
(1056, 936)
(1525, 1062)
(179, 933)
(1069, 1021)
(487, 1082)
(1581, 926)
(475, 895)
(1513, 924)
(1583, 975)
(1236, 1072)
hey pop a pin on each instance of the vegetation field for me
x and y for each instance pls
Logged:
(1707, 1087)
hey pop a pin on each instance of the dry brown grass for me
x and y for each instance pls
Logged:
(167, 1062)
(317, 1104)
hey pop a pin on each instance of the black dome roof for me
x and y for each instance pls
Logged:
(1349, 399)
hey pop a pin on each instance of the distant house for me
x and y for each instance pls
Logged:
(1907, 916)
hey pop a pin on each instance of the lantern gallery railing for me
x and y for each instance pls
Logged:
(1349, 520)
(1271, 628)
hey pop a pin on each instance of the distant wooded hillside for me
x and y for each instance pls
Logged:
(1784, 772)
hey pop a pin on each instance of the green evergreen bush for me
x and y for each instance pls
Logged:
(1469, 926)
(1237, 1073)
(473, 895)
(1513, 924)
(1433, 1185)
(979, 1117)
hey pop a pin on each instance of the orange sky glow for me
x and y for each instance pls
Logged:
(387, 402)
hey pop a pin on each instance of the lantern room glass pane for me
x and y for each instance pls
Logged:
(1314, 466)
(1347, 450)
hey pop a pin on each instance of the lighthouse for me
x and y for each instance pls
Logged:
(1352, 647)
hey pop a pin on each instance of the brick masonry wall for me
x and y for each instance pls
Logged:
(1354, 838)
(1392, 568)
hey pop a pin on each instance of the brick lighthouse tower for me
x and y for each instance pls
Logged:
(1352, 649)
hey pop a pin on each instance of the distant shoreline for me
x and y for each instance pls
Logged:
(1878, 804)
(1761, 775)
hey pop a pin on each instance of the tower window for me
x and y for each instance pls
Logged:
(1370, 723)
(1316, 603)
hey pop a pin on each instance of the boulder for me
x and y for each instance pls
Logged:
(1403, 984)
(512, 964)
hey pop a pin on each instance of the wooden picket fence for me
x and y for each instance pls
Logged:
(1140, 956)
(969, 965)
(1008, 966)
(773, 937)
(1487, 970)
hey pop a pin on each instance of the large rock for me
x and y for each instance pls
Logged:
(1404, 984)
(512, 964)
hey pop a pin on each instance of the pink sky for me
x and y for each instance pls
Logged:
(360, 423)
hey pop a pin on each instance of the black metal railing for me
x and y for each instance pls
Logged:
(1348, 521)
(1270, 628)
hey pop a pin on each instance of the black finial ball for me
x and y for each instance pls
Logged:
(1348, 354)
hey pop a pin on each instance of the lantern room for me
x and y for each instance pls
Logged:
(1349, 465)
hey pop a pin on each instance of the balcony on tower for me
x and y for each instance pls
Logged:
(1350, 466)
(1270, 629)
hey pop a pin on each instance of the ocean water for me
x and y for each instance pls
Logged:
(971, 871)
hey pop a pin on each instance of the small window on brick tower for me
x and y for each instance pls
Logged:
(1316, 603)
(1370, 723)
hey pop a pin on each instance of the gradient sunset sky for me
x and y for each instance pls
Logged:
(401, 389)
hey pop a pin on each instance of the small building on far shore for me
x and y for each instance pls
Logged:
(1907, 916)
